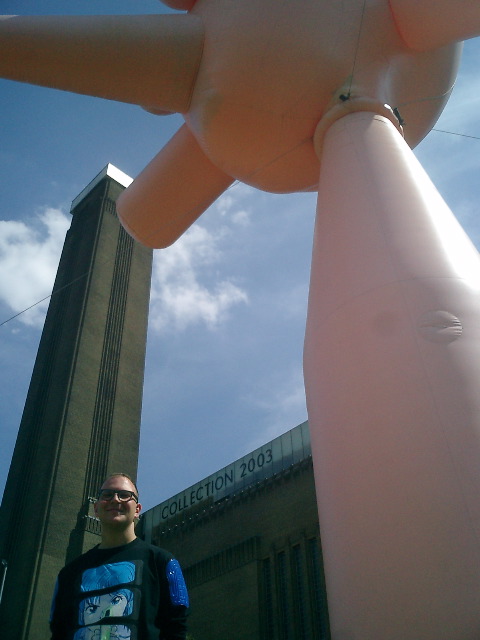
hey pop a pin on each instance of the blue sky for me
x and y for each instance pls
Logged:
(224, 357)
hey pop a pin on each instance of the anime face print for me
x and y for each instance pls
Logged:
(116, 603)
(107, 596)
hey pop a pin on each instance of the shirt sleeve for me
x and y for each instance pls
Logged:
(55, 614)
(173, 609)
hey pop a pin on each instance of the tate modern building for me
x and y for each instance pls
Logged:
(248, 539)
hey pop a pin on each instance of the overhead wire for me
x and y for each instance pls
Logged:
(453, 133)
(357, 47)
(56, 291)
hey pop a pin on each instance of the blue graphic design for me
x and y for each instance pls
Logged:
(117, 602)
(108, 575)
(176, 583)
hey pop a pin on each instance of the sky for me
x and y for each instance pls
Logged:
(228, 305)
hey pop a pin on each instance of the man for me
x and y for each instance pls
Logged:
(124, 588)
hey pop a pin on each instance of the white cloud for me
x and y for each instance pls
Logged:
(29, 256)
(186, 288)
(180, 296)
(228, 204)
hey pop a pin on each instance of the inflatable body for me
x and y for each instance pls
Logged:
(328, 95)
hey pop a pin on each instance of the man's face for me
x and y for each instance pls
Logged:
(113, 513)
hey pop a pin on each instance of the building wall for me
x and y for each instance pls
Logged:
(252, 561)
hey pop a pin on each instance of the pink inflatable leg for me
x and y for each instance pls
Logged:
(147, 60)
(392, 375)
(171, 192)
(428, 24)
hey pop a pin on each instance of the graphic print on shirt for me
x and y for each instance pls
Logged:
(110, 595)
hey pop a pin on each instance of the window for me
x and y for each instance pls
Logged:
(299, 594)
(318, 591)
(268, 619)
(283, 604)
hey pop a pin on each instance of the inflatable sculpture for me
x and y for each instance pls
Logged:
(328, 95)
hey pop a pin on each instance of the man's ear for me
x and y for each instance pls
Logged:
(138, 508)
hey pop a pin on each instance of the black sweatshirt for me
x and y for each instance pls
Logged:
(132, 592)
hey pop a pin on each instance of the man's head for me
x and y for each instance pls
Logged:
(122, 475)
(117, 504)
